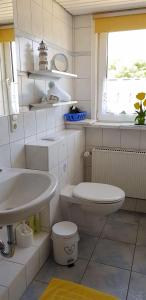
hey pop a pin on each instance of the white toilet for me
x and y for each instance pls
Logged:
(97, 198)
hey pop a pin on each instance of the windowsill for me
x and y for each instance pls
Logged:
(98, 124)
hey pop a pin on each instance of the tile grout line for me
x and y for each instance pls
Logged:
(99, 237)
(133, 260)
(118, 241)
(130, 270)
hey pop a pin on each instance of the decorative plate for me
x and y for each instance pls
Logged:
(60, 62)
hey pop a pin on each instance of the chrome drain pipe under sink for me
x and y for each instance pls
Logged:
(9, 249)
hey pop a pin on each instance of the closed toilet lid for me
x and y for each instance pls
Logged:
(98, 192)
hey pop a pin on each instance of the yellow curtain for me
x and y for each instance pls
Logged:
(7, 35)
(120, 23)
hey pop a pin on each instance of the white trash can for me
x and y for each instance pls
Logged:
(65, 242)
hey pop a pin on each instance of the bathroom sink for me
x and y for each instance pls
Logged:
(23, 193)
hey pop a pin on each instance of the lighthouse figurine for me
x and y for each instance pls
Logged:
(43, 53)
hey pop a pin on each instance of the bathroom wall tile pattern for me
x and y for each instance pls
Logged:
(133, 140)
(41, 122)
(82, 21)
(83, 89)
(130, 139)
(18, 271)
(94, 137)
(63, 158)
(31, 125)
(13, 275)
(35, 290)
(111, 138)
(82, 61)
(18, 154)
(82, 39)
(83, 66)
(11, 144)
(34, 20)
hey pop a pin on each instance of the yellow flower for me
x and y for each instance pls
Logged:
(144, 102)
(140, 96)
(137, 105)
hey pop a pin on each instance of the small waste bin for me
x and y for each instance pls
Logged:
(65, 242)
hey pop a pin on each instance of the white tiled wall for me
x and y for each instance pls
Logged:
(30, 126)
(82, 61)
(36, 20)
(17, 272)
(129, 139)
(63, 158)
(120, 138)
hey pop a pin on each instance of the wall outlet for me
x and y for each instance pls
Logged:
(13, 122)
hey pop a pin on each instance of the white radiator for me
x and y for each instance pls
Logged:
(125, 169)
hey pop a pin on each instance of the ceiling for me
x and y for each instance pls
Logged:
(6, 12)
(79, 7)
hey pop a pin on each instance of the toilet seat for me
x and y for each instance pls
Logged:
(98, 193)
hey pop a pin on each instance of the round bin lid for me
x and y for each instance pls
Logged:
(98, 192)
(64, 229)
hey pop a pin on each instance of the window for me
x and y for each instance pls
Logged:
(121, 73)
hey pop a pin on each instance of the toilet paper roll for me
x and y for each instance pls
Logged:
(24, 236)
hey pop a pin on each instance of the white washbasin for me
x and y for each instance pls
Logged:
(23, 193)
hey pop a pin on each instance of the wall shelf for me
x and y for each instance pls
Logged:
(50, 74)
(47, 105)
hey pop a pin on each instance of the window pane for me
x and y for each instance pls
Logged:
(126, 71)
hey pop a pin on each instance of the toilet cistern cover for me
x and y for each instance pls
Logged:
(98, 192)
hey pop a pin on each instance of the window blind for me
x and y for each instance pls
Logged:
(120, 23)
(7, 35)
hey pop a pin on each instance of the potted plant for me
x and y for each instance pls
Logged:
(140, 108)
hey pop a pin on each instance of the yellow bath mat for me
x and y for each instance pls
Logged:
(67, 290)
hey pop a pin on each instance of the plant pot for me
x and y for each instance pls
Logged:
(140, 120)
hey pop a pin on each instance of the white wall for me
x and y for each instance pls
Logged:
(82, 60)
(130, 139)
(35, 20)
(133, 139)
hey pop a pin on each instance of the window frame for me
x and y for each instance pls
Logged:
(102, 55)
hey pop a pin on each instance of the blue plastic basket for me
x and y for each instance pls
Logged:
(75, 117)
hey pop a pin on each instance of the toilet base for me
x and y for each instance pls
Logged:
(86, 222)
(89, 218)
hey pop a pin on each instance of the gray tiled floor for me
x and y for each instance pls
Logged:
(114, 253)
(137, 288)
(119, 231)
(113, 262)
(106, 278)
(51, 269)
(141, 238)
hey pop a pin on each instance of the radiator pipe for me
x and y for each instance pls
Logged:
(10, 243)
(88, 153)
